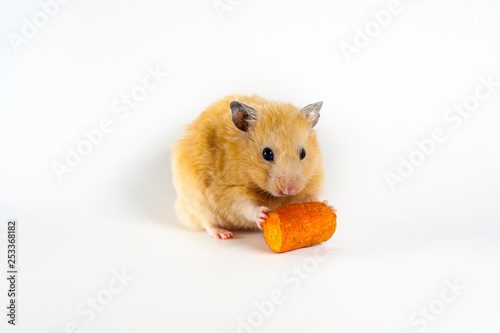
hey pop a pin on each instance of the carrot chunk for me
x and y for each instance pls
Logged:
(299, 225)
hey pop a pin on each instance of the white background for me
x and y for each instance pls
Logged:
(393, 250)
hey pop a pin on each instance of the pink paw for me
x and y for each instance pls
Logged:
(219, 233)
(261, 215)
(325, 202)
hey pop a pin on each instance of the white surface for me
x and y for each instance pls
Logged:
(393, 250)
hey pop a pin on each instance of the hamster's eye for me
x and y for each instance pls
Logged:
(268, 154)
(302, 153)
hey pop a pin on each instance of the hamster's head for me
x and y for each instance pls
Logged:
(279, 146)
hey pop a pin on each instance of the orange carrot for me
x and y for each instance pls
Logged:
(299, 225)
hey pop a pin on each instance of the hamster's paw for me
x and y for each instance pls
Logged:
(325, 202)
(261, 215)
(219, 233)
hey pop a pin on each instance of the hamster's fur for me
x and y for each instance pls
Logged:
(224, 179)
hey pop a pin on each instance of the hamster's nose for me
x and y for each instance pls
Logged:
(289, 190)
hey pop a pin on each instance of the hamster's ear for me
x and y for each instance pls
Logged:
(243, 115)
(312, 112)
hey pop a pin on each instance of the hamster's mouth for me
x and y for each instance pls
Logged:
(268, 193)
(282, 194)
(274, 193)
(279, 193)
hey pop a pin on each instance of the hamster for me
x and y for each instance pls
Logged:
(241, 158)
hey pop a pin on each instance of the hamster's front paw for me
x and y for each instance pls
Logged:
(325, 202)
(261, 215)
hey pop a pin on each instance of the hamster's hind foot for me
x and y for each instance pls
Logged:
(219, 233)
